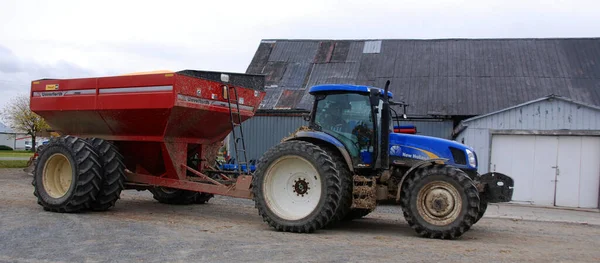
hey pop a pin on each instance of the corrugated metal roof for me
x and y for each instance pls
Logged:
(440, 77)
(372, 46)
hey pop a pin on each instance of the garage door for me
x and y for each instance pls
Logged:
(550, 170)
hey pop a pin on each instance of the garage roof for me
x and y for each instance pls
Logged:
(465, 77)
(5, 129)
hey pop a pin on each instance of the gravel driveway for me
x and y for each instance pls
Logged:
(228, 230)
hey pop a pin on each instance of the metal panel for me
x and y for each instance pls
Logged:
(514, 155)
(567, 187)
(372, 46)
(435, 128)
(590, 172)
(544, 115)
(295, 75)
(264, 132)
(344, 73)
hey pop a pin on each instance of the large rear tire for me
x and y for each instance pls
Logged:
(296, 187)
(113, 171)
(346, 185)
(440, 202)
(67, 176)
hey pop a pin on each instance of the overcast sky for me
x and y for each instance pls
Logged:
(59, 39)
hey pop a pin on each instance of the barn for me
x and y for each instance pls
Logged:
(550, 146)
(451, 85)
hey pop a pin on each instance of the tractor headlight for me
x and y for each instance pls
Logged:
(471, 156)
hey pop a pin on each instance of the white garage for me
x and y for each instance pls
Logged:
(549, 146)
(550, 170)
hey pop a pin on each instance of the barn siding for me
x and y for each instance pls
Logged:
(544, 115)
(263, 132)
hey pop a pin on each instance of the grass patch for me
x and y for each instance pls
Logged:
(15, 154)
(13, 164)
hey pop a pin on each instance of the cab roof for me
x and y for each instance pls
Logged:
(345, 87)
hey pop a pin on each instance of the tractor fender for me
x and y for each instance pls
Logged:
(414, 167)
(321, 138)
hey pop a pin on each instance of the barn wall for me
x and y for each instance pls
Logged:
(555, 115)
(435, 128)
(263, 132)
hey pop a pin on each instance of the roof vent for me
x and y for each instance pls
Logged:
(372, 46)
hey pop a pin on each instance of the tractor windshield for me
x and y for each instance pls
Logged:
(347, 117)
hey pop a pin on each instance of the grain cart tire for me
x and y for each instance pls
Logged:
(202, 198)
(296, 187)
(357, 213)
(67, 176)
(113, 173)
(173, 196)
(440, 202)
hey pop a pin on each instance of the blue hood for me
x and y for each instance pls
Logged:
(425, 147)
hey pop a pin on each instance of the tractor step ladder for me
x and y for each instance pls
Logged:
(234, 124)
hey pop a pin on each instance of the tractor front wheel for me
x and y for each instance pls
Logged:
(68, 175)
(440, 202)
(296, 187)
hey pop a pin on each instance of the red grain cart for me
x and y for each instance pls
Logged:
(155, 131)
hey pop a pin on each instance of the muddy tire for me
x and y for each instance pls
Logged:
(113, 175)
(173, 196)
(440, 202)
(346, 185)
(67, 176)
(482, 208)
(357, 214)
(296, 187)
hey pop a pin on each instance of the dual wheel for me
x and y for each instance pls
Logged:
(74, 174)
(302, 187)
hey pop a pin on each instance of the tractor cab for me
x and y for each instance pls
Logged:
(352, 115)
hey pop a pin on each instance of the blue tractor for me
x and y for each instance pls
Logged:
(349, 159)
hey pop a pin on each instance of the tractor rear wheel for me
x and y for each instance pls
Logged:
(296, 187)
(440, 201)
(113, 171)
(173, 196)
(346, 185)
(68, 175)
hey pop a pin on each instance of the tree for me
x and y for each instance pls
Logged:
(19, 117)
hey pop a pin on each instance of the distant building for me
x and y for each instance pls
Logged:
(15, 140)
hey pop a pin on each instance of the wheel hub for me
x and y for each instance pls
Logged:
(439, 203)
(57, 175)
(301, 187)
